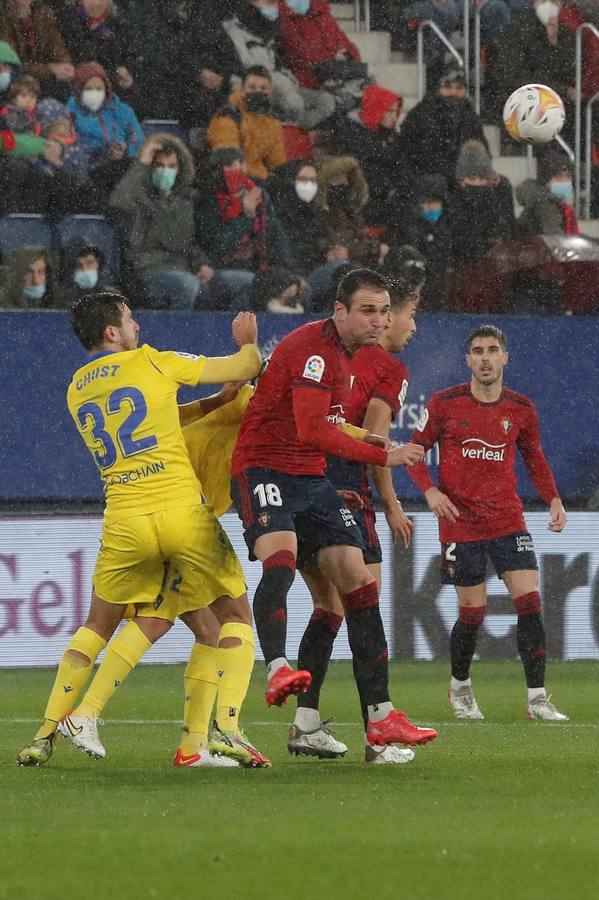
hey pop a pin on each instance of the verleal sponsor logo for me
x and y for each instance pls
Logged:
(482, 450)
(314, 368)
(402, 394)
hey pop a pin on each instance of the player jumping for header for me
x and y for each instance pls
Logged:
(479, 426)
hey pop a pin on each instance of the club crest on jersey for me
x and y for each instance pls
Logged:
(506, 425)
(263, 519)
(314, 368)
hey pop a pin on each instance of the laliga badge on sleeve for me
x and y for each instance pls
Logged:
(314, 368)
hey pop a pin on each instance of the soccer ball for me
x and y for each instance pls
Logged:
(534, 114)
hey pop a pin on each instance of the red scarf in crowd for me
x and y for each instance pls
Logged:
(570, 220)
(231, 207)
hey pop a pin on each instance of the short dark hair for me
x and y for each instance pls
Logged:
(355, 279)
(88, 250)
(487, 331)
(260, 71)
(402, 295)
(91, 314)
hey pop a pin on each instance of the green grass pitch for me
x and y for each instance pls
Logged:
(503, 809)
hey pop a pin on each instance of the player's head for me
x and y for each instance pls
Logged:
(362, 307)
(401, 324)
(486, 355)
(103, 321)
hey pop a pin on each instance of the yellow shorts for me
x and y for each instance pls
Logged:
(167, 562)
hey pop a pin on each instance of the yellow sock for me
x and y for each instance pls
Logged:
(201, 684)
(123, 654)
(236, 664)
(72, 674)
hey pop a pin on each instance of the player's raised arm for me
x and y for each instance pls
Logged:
(541, 475)
(244, 364)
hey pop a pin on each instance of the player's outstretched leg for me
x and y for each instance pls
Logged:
(270, 615)
(123, 654)
(309, 735)
(531, 646)
(462, 646)
(73, 671)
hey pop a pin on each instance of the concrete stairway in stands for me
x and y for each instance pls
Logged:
(391, 70)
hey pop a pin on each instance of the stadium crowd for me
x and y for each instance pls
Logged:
(243, 156)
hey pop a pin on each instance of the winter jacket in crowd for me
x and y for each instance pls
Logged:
(114, 122)
(526, 56)
(542, 212)
(10, 143)
(102, 40)
(478, 220)
(238, 241)
(378, 150)
(304, 221)
(260, 137)
(158, 227)
(344, 204)
(572, 17)
(75, 157)
(36, 39)
(433, 132)
(310, 39)
(12, 280)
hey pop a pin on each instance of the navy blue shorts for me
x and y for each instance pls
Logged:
(309, 540)
(267, 501)
(465, 564)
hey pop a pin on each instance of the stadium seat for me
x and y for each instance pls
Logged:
(94, 231)
(21, 229)
(170, 126)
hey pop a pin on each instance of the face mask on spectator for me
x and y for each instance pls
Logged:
(93, 99)
(258, 102)
(270, 12)
(86, 279)
(339, 195)
(4, 80)
(164, 178)
(299, 6)
(306, 190)
(34, 291)
(562, 190)
(547, 10)
(431, 215)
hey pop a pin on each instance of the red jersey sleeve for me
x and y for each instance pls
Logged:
(393, 385)
(426, 434)
(310, 408)
(529, 445)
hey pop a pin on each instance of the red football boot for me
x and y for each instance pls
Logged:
(284, 683)
(396, 728)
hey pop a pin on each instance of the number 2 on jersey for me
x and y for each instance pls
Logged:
(129, 445)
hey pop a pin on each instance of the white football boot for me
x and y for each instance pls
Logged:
(542, 708)
(464, 703)
(389, 755)
(321, 742)
(83, 733)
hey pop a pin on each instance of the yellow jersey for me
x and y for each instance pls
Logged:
(124, 405)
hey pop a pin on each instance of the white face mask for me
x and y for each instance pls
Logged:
(93, 99)
(306, 190)
(547, 10)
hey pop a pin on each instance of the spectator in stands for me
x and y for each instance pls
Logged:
(572, 16)
(246, 122)
(343, 195)
(478, 213)
(30, 28)
(154, 205)
(549, 201)
(239, 225)
(108, 128)
(433, 132)
(82, 273)
(535, 48)
(21, 113)
(57, 125)
(371, 135)
(93, 33)
(293, 188)
(248, 39)
(28, 280)
(318, 52)
(426, 227)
